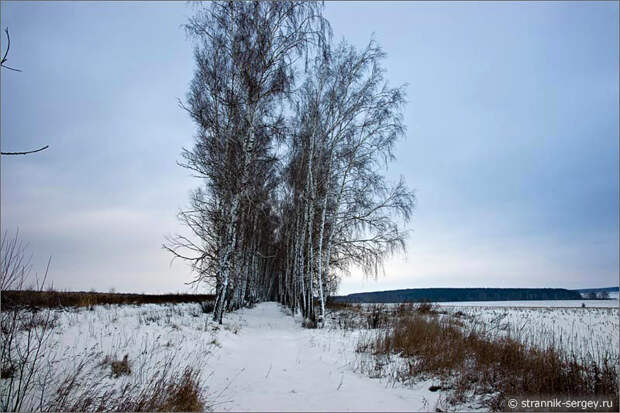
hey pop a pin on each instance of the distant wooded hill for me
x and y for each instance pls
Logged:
(460, 294)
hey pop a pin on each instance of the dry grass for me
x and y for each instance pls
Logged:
(469, 362)
(7, 370)
(338, 306)
(207, 306)
(377, 316)
(181, 395)
(34, 320)
(165, 392)
(52, 299)
(118, 367)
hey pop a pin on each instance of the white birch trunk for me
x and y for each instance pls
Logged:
(320, 256)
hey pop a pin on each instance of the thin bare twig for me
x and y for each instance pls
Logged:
(25, 152)
(6, 52)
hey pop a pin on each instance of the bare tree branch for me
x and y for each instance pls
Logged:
(25, 152)
(4, 58)
(6, 52)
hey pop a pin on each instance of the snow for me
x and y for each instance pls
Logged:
(594, 329)
(572, 329)
(154, 337)
(261, 359)
(273, 364)
(535, 304)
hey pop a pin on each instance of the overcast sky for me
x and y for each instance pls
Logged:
(512, 142)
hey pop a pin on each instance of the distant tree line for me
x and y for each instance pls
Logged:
(592, 295)
(598, 293)
(460, 294)
(293, 134)
(50, 298)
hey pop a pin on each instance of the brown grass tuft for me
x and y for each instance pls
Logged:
(183, 395)
(118, 367)
(377, 316)
(465, 361)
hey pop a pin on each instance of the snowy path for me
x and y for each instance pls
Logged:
(274, 364)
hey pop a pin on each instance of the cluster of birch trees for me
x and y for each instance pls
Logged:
(294, 134)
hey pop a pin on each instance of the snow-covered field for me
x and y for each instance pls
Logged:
(576, 330)
(155, 338)
(594, 329)
(261, 359)
(611, 303)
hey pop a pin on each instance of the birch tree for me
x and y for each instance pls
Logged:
(245, 56)
(294, 136)
(348, 121)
